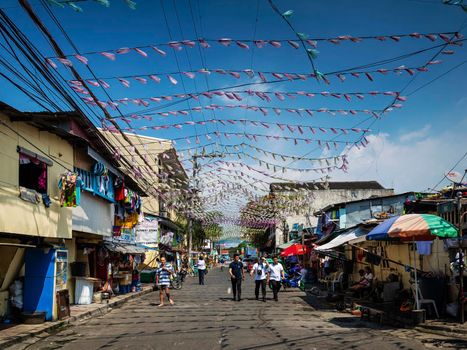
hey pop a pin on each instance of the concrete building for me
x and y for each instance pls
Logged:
(298, 202)
(55, 209)
(163, 206)
(31, 217)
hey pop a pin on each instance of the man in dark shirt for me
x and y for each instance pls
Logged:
(237, 275)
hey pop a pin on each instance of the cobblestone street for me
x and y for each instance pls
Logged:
(205, 317)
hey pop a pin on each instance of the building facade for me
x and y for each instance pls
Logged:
(313, 197)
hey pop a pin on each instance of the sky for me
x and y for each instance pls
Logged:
(410, 148)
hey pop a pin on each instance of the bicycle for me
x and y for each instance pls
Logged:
(176, 282)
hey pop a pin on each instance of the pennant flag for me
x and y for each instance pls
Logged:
(141, 52)
(108, 55)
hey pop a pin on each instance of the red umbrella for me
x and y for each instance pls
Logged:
(295, 249)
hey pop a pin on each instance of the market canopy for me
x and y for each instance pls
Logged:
(413, 227)
(295, 249)
(345, 237)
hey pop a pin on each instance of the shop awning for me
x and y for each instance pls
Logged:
(327, 238)
(351, 234)
(125, 248)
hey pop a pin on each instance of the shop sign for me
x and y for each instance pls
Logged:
(147, 232)
(127, 235)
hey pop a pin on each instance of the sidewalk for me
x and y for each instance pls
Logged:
(21, 332)
(448, 328)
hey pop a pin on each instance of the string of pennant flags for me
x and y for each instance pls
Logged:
(264, 110)
(73, 4)
(143, 51)
(233, 174)
(264, 76)
(238, 95)
(275, 167)
(282, 168)
(327, 143)
(243, 155)
(240, 183)
(300, 128)
(215, 170)
(214, 182)
(274, 155)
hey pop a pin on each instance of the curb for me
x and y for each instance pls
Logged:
(104, 309)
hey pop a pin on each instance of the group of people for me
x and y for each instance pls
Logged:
(263, 272)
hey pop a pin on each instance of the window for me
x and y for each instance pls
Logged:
(32, 173)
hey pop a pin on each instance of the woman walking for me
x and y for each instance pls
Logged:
(201, 269)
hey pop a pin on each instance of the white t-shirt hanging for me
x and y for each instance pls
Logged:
(260, 271)
(275, 271)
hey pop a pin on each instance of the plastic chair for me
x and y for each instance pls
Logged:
(423, 301)
(328, 279)
(337, 281)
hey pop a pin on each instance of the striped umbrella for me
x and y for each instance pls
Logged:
(413, 227)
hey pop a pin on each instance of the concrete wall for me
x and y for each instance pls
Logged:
(21, 217)
(94, 215)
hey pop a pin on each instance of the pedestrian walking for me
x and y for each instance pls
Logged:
(259, 270)
(275, 274)
(163, 275)
(237, 275)
(221, 261)
(201, 265)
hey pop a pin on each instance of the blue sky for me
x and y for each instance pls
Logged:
(409, 148)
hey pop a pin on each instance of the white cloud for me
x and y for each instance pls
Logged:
(417, 134)
(408, 166)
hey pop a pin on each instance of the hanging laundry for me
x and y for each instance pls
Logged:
(70, 185)
(119, 191)
(424, 247)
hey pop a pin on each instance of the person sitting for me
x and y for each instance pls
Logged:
(366, 278)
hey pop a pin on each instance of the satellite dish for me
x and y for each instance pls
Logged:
(454, 176)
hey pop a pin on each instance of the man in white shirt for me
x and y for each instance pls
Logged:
(260, 270)
(275, 274)
(201, 265)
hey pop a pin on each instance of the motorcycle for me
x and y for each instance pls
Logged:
(289, 281)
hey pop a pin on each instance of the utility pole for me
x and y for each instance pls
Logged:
(460, 216)
(194, 190)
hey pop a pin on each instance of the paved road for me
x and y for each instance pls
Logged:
(205, 317)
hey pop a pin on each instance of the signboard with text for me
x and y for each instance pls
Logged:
(147, 232)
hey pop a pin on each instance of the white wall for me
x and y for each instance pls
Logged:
(94, 215)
